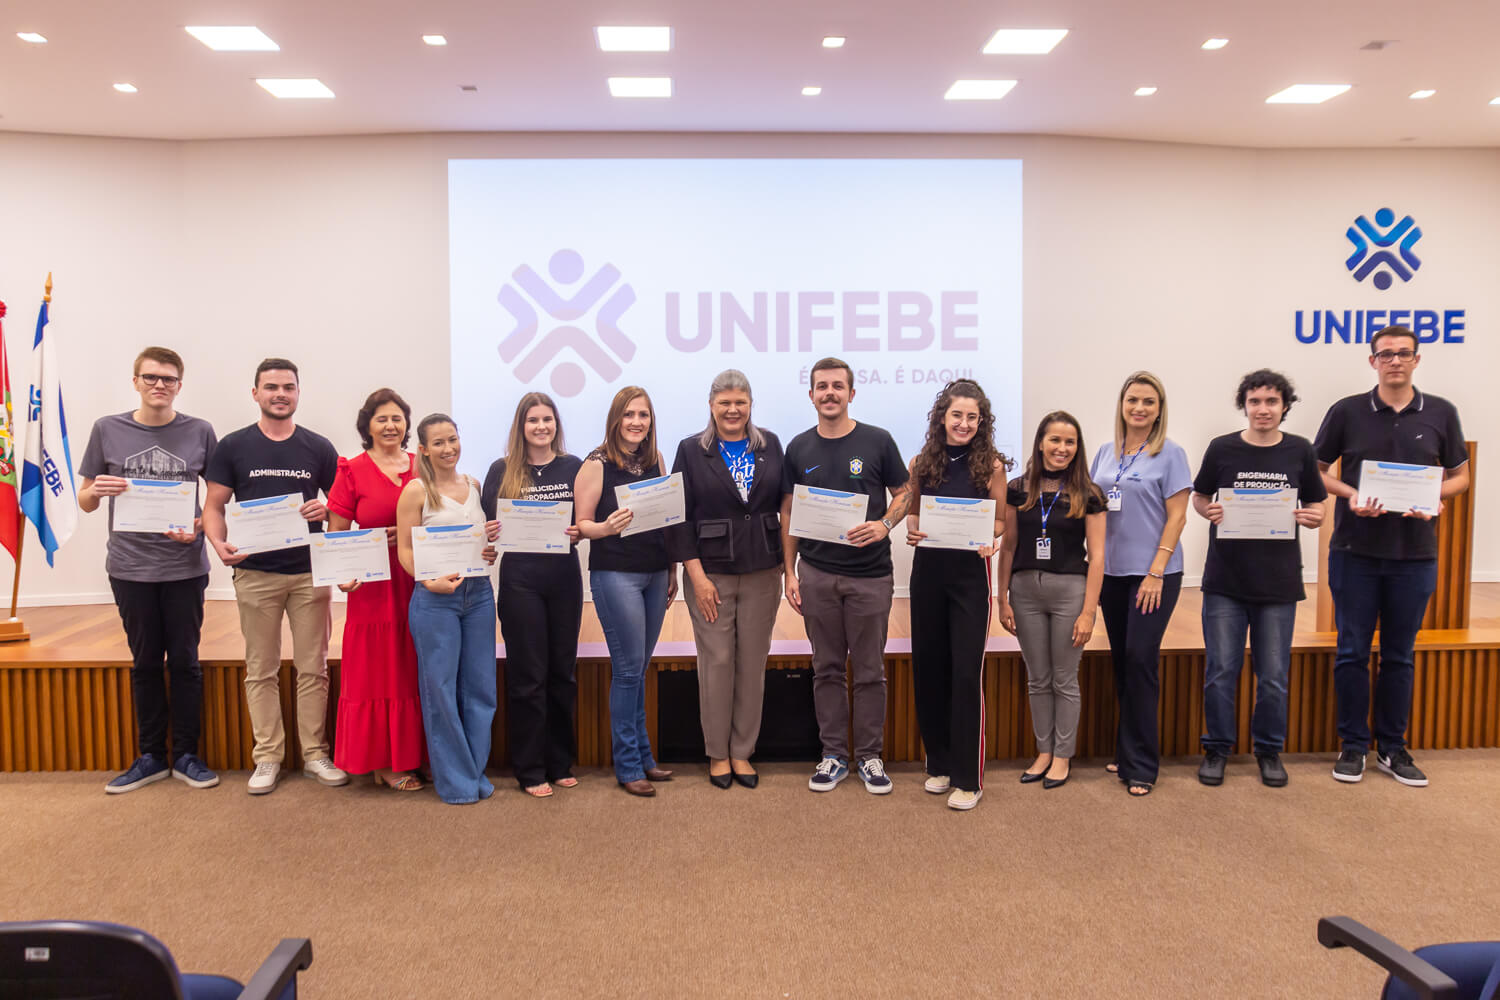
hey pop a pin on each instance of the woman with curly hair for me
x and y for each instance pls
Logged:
(950, 592)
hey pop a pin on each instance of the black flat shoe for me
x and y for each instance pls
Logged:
(748, 780)
(1056, 782)
(1028, 778)
(721, 780)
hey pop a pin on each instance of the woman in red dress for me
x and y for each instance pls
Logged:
(380, 712)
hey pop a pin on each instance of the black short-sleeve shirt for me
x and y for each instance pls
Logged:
(865, 460)
(254, 467)
(1255, 570)
(1362, 427)
(1068, 534)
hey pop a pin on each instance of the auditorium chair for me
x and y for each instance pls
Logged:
(1467, 970)
(88, 960)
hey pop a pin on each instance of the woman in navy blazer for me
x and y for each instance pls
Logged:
(730, 548)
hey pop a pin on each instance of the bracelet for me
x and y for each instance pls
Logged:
(1165, 549)
(1156, 576)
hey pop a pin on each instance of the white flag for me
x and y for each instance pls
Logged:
(49, 497)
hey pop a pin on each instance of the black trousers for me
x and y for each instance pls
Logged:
(163, 622)
(1135, 647)
(950, 619)
(540, 606)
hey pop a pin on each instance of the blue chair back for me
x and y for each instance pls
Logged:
(78, 960)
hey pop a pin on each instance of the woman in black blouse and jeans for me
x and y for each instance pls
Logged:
(1049, 587)
(730, 548)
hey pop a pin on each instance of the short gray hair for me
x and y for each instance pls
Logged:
(726, 381)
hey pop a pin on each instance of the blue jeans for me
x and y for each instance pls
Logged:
(455, 639)
(1225, 621)
(1394, 593)
(631, 607)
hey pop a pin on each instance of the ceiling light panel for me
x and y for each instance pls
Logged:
(244, 38)
(1307, 93)
(640, 86)
(1024, 41)
(126, 88)
(435, 39)
(1144, 91)
(633, 39)
(811, 91)
(304, 89)
(834, 42)
(32, 37)
(1422, 95)
(1215, 43)
(978, 90)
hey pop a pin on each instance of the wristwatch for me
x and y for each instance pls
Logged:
(889, 527)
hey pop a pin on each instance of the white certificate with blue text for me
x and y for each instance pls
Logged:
(654, 503)
(268, 524)
(821, 515)
(956, 523)
(1401, 488)
(155, 506)
(534, 526)
(361, 556)
(1258, 514)
(440, 550)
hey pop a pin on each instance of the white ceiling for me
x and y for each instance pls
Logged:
(739, 65)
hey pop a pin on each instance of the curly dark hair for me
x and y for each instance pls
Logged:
(927, 468)
(373, 402)
(1265, 378)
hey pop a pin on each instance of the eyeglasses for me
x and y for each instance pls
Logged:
(167, 381)
(1386, 357)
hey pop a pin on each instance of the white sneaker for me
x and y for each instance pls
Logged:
(263, 781)
(961, 799)
(325, 772)
(937, 784)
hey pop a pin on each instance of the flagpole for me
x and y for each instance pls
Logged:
(14, 630)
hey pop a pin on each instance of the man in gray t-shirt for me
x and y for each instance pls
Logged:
(158, 578)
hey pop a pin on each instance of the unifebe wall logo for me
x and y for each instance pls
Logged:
(565, 301)
(1384, 234)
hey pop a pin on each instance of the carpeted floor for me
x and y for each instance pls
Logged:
(778, 893)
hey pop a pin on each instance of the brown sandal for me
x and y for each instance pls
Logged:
(405, 783)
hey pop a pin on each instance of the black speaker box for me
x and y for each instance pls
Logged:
(788, 727)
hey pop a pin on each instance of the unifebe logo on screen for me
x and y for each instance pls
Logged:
(1384, 234)
(564, 301)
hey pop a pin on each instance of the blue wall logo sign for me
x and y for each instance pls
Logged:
(1384, 234)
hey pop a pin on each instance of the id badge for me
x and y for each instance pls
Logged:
(1114, 497)
(1044, 548)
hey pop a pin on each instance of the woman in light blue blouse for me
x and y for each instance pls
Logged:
(1146, 483)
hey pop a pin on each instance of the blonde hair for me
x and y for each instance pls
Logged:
(517, 468)
(424, 464)
(1158, 436)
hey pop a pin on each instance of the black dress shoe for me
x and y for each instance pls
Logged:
(748, 780)
(658, 774)
(1056, 782)
(1028, 778)
(721, 780)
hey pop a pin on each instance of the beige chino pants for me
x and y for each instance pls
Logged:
(263, 599)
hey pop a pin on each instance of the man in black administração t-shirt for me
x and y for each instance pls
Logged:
(844, 591)
(274, 457)
(1383, 566)
(1253, 584)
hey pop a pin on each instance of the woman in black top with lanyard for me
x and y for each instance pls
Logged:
(950, 591)
(540, 602)
(1049, 585)
(632, 579)
(730, 548)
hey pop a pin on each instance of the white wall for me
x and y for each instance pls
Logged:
(333, 251)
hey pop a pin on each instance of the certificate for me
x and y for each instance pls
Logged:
(826, 515)
(1400, 488)
(534, 526)
(653, 503)
(342, 556)
(956, 523)
(1258, 514)
(156, 505)
(440, 550)
(267, 525)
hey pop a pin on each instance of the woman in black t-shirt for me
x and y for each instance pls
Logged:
(632, 579)
(1049, 588)
(950, 591)
(540, 601)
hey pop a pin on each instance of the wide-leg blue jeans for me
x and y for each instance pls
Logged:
(455, 639)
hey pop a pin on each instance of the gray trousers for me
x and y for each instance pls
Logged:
(846, 618)
(1046, 605)
(732, 658)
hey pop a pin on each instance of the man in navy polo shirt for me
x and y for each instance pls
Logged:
(1382, 567)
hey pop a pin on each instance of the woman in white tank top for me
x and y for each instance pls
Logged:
(452, 620)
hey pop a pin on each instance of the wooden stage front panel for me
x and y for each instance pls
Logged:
(65, 701)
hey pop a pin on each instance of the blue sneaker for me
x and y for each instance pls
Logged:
(147, 768)
(872, 773)
(829, 772)
(193, 772)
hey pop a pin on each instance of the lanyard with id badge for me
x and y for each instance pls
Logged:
(1043, 543)
(1114, 497)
